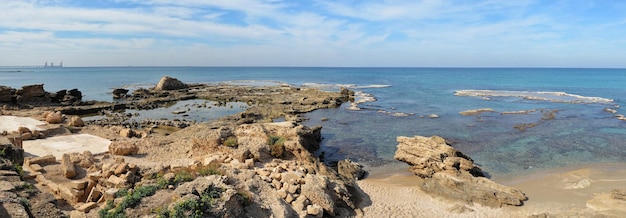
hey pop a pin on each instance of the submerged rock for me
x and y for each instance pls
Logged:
(448, 172)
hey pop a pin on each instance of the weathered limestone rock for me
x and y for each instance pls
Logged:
(67, 166)
(314, 189)
(448, 172)
(350, 170)
(54, 118)
(31, 91)
(315, 210)
(123, 148)
(169, 83)
(127, 133)
(48, 159)
(75, 121)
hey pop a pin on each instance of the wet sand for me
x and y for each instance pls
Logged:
(566, 191)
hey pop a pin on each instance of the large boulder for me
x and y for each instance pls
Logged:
(53, 117)
(350, 170)
(169, 83)
(31, 91)
(447, 172)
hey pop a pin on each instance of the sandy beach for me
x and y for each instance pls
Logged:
(571, 191)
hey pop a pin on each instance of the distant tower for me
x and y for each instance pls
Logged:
(61, 65)
(46, 64)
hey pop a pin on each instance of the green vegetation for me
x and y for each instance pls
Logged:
(212, 169)
(183, 176)
(193, 208)
(187, 175)
(129, 201)
(121, 193)
(277, 145)
(231, 142)
(19, 170)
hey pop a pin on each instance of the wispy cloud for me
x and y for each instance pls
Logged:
(314, 32)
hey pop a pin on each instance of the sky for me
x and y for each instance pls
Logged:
(333, 33)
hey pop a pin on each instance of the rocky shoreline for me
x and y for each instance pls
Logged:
(241, 165)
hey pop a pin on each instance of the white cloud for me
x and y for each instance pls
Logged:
(276, 32)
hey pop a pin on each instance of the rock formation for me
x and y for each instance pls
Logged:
(6, 94)
(447, 172)
(169, 83)
(119, 93)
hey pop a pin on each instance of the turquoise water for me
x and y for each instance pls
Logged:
(577, 134)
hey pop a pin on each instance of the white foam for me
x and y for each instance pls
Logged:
(561, 97)
(360, 98)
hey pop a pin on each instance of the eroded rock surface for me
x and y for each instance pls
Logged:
(447, 172)
(169, 83)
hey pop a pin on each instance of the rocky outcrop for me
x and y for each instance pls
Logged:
(123, 147)
(447, 172)
(6, 94)
(31, 91)
(350, 170)
(119, 93)
(169, 83)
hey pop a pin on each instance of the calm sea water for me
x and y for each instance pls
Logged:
(578, 134)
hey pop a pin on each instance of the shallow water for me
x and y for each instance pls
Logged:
(581, 133)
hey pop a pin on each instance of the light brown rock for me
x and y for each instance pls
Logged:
(315, 210)
(127, 133)
(48, 159)
(447, 172)
(314, 189)
(123, 148)
(80, 185)
(23, 130)
(87, 206)
(169, 83)
(76, 121)
(67, 166)
(54, 118)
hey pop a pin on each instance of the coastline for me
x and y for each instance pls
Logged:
(390, 189)
(565, 191)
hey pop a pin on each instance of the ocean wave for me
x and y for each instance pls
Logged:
(360, 98)
(560, 97)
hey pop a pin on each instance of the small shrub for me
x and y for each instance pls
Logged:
(162, 183)
(188, 208)
(277, 145)
(19, 170)
(121, 193)
(129, 201)
(192, 208)
(212, 169)
(231, 142)
(183, 176)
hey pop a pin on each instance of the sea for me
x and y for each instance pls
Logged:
(538, 118)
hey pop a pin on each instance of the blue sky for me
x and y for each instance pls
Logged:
(364, 33)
